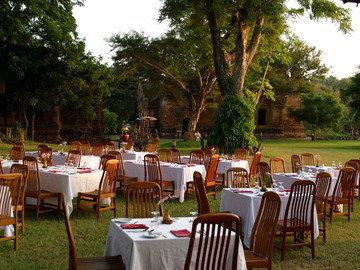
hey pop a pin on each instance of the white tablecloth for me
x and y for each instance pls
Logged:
(140, 253)
(69, 184)
(132, 155)
(246, 206)
(287, 179)
(224, 164)
(58, 159)
(180, 174)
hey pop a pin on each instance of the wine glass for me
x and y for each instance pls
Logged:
(155, 215)
(193, 216)
(257, 188)
(281, 187)
(275, 186)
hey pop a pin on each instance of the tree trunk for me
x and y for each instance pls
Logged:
(101, 117)
(57, 122)
(26, 120)
(33, 126)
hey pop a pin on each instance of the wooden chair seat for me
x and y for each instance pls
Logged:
(6, 220)
(255, 260)
(94, 194)
(42, 194)
(100, 263)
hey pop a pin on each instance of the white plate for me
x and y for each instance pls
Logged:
(122, 220)
(152, 234)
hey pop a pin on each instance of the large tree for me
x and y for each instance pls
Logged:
(180, 67)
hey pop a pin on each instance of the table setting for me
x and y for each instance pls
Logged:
(148, 243)
(245, 202)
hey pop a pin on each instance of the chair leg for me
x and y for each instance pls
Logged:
(312, 244)
(283, 241)
(97, 205)
(324, 228)
(16, 236)
(114, 206)
(331, 212)
(23, 219)
(38, 202)
(349, 209)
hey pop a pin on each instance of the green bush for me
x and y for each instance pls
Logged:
(234, 124)
(111, 122)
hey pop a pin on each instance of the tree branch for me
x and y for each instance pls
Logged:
(255, 39)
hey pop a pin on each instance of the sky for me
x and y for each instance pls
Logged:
(98, 20)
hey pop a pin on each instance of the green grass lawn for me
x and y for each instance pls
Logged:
(44, 243)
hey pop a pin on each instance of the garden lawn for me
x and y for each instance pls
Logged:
(44, 243)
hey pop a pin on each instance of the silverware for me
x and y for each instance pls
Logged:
(135, 222)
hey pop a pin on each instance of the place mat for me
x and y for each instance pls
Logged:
(133, 226)
(181, 233)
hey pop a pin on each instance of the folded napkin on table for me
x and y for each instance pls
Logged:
(287, 190)
(243, 191)
(134, 226)
(190, 165)
(54, 171)
(84, 171)
(290, 174)
(181, 233)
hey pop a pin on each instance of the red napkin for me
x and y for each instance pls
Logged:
(287, 190)
(84, 171)
(134, 226)
(190, 165)
(181, 233)
(54, 171)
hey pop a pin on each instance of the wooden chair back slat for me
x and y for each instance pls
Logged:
(16, 153)
(255, 161)
(277, 165)
(141, 199)
(197, 157)
(323, 184)
(97, 149)
(214, 242)
(201, 198)
(175, 155)
(240, 153)
(307, 159)
(237, 177)
(263, 231)
(11, 188)
(152, 168)
(75, 145)
(295, 163)
(265, 178)
(344, 187)
(164, 155)
(104, 159)
(74, 157)
(33, 182)
(299, 213)
(109, 176)
(24, 170)
(85, 148)
(211, 172)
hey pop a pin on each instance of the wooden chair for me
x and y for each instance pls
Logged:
(323, 183)
(197, 157)
(121, 178)
(200, 191)
(40, 147)
(263, 232)
(98, 263)
(75, 145)
(11, 186)
(164, 155)
(104, 159)
(295, 163)
(213, 150)
(277, 165)
(97, 150)
(299, 217)
(240, 153)
(85, 148)
(343, 192)
(175, 156)
(16, 153)
(307, 159)
(74, 158)
(106, 190)
(220, 252)
(211, 176)
(253, 167)
(237, 177)
(151, 147)
(46, 155)
(141, 199)
(265, 178)
(20, 207)
(357, 177)
(153, 174)
(34, 190)
(129, 144)
(109, 147)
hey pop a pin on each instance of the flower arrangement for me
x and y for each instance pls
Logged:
(166, 213)
(45, 159)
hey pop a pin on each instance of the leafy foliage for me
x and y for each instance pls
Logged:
(111, 122)
(319, 110)
(234, 124)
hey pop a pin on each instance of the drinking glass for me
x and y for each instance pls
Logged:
(193, 216)
(281, 187)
